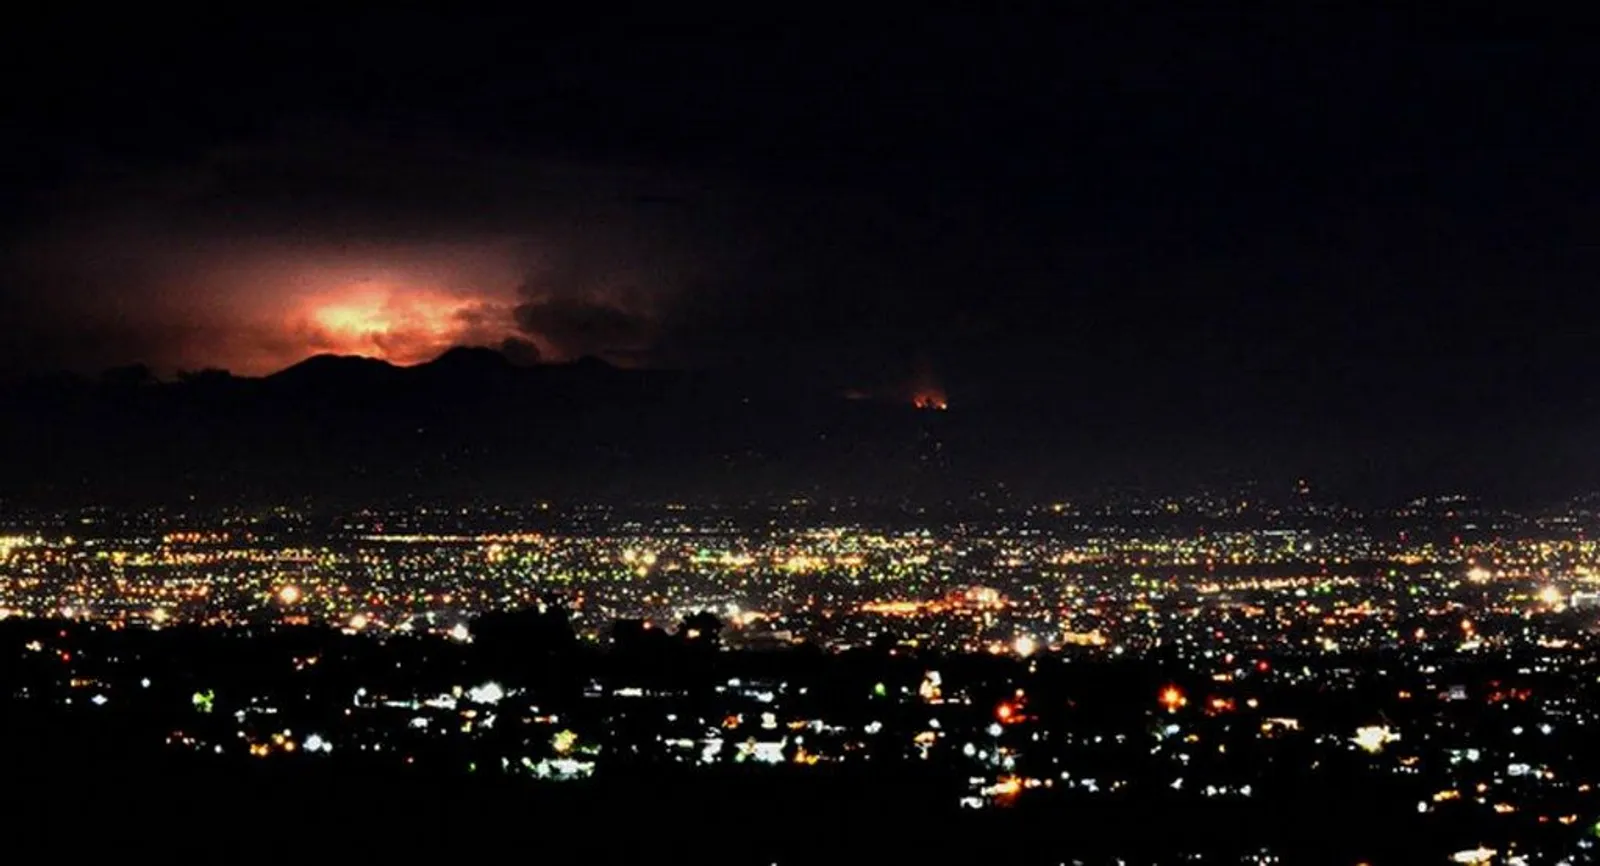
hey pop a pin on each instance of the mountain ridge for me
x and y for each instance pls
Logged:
(468, 423)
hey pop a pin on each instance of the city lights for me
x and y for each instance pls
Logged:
(1268, 640)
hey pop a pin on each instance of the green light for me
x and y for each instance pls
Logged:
(880, 690)
(203, 700)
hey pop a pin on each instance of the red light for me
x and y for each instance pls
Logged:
(1262, 666)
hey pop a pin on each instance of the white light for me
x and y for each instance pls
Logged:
(488, 693)
(98, 700)
(1025, 646)
(315, 743)
(1372, 738)
(459, 632)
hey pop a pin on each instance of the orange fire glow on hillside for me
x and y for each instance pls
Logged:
(926, 391)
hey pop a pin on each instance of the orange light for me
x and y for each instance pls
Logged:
(400, 325)
(398, 319)
(1221, 705)
(1172, 698)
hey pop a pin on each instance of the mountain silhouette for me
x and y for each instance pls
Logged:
(478, 360)
(336, 372)
(468, 424)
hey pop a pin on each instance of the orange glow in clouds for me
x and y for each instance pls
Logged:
(403, 327)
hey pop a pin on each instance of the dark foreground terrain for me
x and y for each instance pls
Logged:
(90, 798)
(192, 754)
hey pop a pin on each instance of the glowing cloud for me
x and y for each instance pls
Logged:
(402, 326)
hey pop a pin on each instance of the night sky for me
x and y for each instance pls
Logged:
(1372, 238)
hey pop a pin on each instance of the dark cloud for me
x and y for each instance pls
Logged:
(574, 326)
(521, 352)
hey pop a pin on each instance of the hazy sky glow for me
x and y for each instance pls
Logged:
(251, 259)
(1136, 230)
(401, 305)
(1303, 225)
(257, 306)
